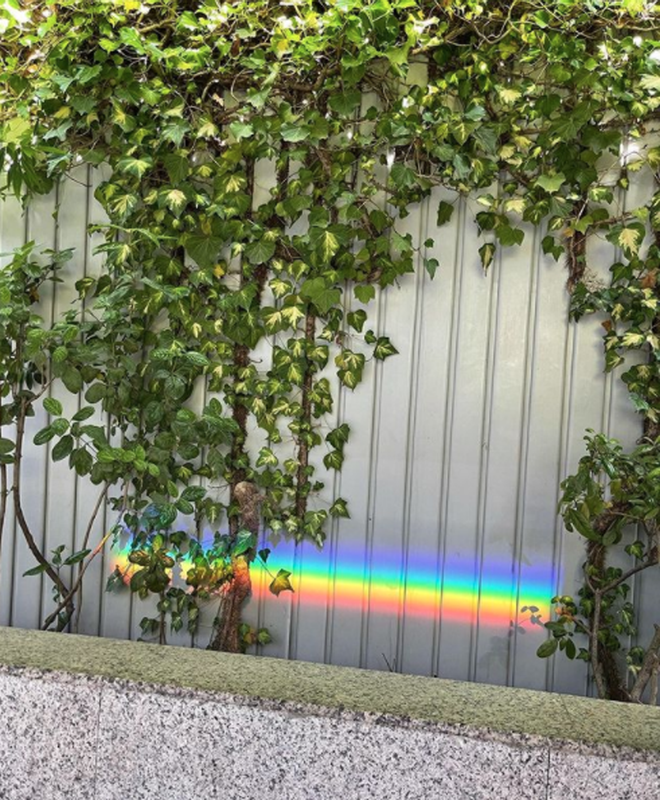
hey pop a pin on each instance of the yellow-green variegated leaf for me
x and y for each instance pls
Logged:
(632, 339)
(508, 94)
(281, 583)
(515, 205)
(125, 205)
(272, 319)
(292, 315)
(650, 82)
(176, 201)
(135, 166)
(630, 239)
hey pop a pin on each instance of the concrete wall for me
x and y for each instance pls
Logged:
(451, 474)
(89, 718)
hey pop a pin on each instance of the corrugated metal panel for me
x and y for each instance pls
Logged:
(452, 471)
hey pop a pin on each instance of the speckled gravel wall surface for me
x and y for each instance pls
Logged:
(176, 724)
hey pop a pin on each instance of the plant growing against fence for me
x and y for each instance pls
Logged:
(259, 158)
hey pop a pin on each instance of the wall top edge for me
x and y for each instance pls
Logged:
(592, 725)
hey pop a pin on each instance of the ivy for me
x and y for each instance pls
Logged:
(353, 113)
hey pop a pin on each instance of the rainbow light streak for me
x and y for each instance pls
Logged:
(455, 592)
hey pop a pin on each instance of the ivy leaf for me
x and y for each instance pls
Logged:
(339, 436)
(241, 130)
(508, 95)
(364, 292)
(462, 130)
(630, 240)
(356, 319)
(272, 319)
(351, 366)
(325, 242)
(177, 167)
(333, 460)
(281, 583)
(207, 129)
(130, 37)
(515, 205)
(384, 348)
(397, 55)
(176, 201)
(431, 266)
(445, 210)
(402, 176)
(196, 359)
(135, 166)
(552, 247)
(508, 236)
(487, 253)
(261, 251)
(175, 131)
(267, 458)
(650, 82)
(462, 166)
(203, 249)
(292, 315)
(294, 132)
(339, 509)
(124, 206)
(346, 102)
(321, 293)
(551, 183)
(245, 540)
(16, 129)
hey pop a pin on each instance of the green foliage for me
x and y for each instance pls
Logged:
(625, 516)
(356, 110)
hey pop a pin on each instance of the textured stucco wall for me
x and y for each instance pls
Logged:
(90, 718)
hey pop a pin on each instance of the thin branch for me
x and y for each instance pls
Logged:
(648, 667)
(596, 666)
(653, 687)
(94, 515)
(18, 506)
(4, 490)
(4, 496)
(70, 595)
(633, 571)
(85, 542)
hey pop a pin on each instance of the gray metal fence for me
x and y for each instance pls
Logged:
(452, 471)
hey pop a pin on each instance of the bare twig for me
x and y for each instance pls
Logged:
(18, 506)
(85, 542)
(70, 595)
(648, 668)
(596, 666)
(653, 687)
(626, 575)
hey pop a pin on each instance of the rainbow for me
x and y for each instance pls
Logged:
(384, 582)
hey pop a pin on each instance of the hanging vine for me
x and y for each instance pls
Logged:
(352, 111)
